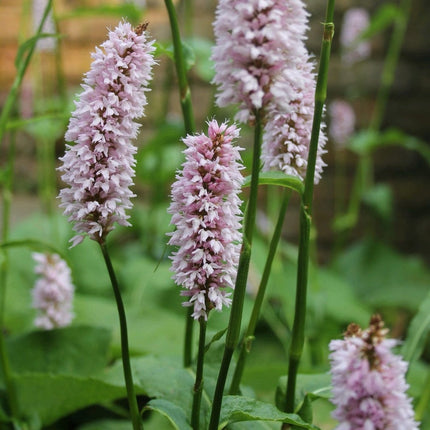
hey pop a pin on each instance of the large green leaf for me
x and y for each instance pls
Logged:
(50, 397)
(72, 350)
(383, 277)
(418, 332)
(239, 408)
(172, 412)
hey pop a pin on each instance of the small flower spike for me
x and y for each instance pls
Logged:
(99, 168)
(355, 21)
(53, 292)
(342, 121)
(205, 209)
(369, 387)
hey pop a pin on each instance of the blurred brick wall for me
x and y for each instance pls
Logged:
(408, 106)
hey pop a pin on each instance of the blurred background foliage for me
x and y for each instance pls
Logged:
(371, 258)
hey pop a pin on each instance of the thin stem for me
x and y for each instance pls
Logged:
(184, 89)
(298, 332)
(233, 331)
(4, 268)
(132, 400)
(188, 115)
(22, 67)
(390, 64)
(198, 385)
(249, 334)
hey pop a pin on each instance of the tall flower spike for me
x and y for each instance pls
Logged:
(99, 168)
(53, 292)
(369, 387)
(355, 21)
(256, 53)
(205, 209)
(342, 121)
(287, 135)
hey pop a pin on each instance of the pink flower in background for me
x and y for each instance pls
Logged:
(99, 168)
(53, 292)
(369, 387)
(342, 121)
(258, 46)
(355, 21)
(205, 209)
(287, 135)
(46, 43)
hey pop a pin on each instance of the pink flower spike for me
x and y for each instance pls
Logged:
(369, 387)
(205, 209)
(53, 292)
(258, 44)
(342, 121)
(99, 168)
(355, 21)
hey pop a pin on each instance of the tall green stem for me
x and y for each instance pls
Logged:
(298, 332)
(132, 400)
(249, 334)
(233, 331)
(188, 114)
(198, 385)
(184, 89)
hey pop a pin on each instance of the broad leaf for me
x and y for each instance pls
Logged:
(239, 408)
(278, 178)
(172, 412)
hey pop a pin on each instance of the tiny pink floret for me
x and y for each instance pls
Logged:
(205, 209)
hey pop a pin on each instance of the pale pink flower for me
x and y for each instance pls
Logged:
(46, 43)
(53, 292)
(258, 47)
(99, 168)
(369, 387)
(205, 209)
(287, 135)
(342, 121)
(355, 21)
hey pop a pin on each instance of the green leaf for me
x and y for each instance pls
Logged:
(50, 397)
(35, 245)
(382, 277)
(168, 49)
(278, 178)
(106, 425)
(386, 15)
(239, 408)
(204, 66)
(72, 350)
(172, 412)
(29, 43)
(123, 10)
(418, 332)
(380, 199)
(217, 336)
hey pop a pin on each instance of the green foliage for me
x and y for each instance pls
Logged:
(384, 17)
(278, 178)
(172, 412)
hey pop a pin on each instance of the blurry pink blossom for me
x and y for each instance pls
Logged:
(342, 121)
(355, 21)
(99, 168)
(369, 387)
(258, 46)
(205, 209)
(46, 43)
(53, 292)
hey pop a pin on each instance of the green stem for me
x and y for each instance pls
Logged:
(4, 268)
(22, 67)
(390, 64)
(188, 115)
(233, 331)
(184, 89)
(132, 400)
(298, 332)
(198, 385)
(249, 334)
